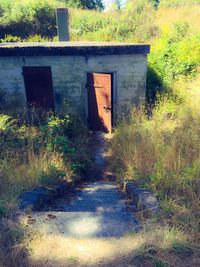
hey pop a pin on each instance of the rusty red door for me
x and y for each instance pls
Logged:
(39, 87)
(100, 101)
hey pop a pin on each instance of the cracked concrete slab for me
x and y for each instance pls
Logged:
(97, 211)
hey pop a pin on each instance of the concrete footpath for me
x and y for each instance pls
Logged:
(97, 212)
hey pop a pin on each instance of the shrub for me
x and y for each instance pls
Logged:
(176, 54)
(35, 155)
(29, 18)
(23, 18)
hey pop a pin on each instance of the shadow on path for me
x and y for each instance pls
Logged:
(96, 214)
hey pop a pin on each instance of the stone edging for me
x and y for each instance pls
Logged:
(38, 197)
(144, 200)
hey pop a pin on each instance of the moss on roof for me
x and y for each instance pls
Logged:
(71, 48)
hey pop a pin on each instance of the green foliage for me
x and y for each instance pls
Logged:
(23, 18)
(29, 18)
(161, 263)
(33, 155)
(84, 4)
(10, 38)
(33, 17)
(139, 16)
(176, 54)
(6, 123)
(154, 85)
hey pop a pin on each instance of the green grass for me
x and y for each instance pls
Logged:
(28, 18)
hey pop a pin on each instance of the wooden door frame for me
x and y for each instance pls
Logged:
(113, 94)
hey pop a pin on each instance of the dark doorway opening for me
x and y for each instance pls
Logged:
(100, 107)
(39, 87)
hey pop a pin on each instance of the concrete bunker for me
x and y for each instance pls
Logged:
(99, 81)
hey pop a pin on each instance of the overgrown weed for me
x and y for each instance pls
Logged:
(53, 151)
(161, 152)
(32, 155)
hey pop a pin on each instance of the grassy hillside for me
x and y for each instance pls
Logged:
(27, 18)
(160, 150)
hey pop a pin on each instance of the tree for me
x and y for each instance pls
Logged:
(85, 4)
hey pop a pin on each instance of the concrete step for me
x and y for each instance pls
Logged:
(83, 224)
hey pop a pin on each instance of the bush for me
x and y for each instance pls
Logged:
(29, 18)
(176, 54)
(24, 18)
(35, 155)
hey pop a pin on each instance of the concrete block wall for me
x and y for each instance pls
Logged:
(69, 74)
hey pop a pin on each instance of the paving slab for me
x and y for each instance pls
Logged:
(98, 210)
(91, 225)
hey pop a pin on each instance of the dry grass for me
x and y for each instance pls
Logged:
(90, 252)
(39, 155)
(166, 17)
(32, 156)
(37, 169)
(11, 254)
(154, 245)
(162, 153)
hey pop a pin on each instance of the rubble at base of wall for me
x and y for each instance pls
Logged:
(38, 197)
(143, 199)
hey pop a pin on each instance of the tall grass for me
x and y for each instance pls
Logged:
(162, 152)
(28, 18)
(31, 155)
(37, 155)
(178, 3)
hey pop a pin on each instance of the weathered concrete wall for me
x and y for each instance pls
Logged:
(69, 75)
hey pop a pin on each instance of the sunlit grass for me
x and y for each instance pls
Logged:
(162, 153)
(166, 17)
(154, 243)
(39, 169)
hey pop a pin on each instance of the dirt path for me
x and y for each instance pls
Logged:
(91, 229)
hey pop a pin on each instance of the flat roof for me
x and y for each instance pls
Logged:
(71, 48)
